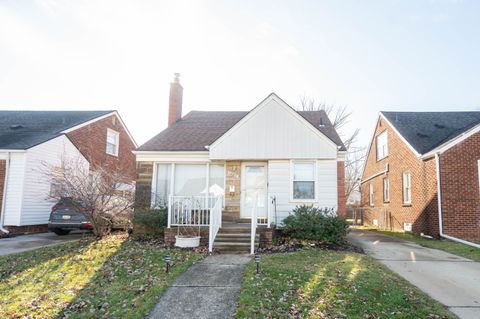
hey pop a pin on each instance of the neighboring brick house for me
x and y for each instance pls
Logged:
(31, 140)
(413, 158)
(267, 160)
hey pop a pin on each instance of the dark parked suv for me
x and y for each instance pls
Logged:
(66, 216)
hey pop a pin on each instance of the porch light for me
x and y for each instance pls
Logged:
(258, 258)
(168, 261)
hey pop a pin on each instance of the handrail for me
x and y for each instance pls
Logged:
(254, 225)
(190, 210)
(215, 221)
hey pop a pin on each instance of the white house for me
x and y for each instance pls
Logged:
(263, 162)
(31, 142)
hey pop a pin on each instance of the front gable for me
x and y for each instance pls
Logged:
(272, 130)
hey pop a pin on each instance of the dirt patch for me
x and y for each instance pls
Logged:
(287, 245)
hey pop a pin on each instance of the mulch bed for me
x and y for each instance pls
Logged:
(287, 245)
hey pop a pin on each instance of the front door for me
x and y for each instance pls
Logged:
(254, 186)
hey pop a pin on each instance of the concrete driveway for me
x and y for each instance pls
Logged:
(21, 243)
(452, 280)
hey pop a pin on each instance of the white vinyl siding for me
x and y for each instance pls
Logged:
(370, 194)
(407, 188)
(382, 145)
(15, 189)
(386, 190)
(279, 185)
(113, 139)
(273, 131)
(39, 159)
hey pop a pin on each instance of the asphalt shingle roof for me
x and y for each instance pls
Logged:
(424, 131)
(200, 128)
(24, 129)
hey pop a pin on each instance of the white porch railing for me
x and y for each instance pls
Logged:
(215, 221)
(190, 210)
(253, 233)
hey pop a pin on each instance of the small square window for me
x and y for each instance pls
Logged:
(112, 142)
(304, 180)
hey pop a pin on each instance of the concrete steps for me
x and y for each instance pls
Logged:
(234, 238)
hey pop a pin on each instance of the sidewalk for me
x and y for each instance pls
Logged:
(209, 289)
(452, 280)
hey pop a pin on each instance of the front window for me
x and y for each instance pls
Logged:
(190, 179)
(304, 180)
(382, 145)
(217, 180)
(407, 188)
(112, 142)
(162, 190)
(386, 190)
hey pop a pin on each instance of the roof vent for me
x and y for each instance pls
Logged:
(422, 135)
(16, 126)
(439, 125)
(321, 123)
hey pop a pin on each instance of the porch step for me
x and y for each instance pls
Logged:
(235, 237)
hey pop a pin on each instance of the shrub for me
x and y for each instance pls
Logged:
(312, 223)
(149, 223)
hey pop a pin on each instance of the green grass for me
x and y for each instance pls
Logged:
(110, 278)
(315, 283)
(441, 244)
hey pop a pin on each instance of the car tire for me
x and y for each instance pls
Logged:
(61, 232)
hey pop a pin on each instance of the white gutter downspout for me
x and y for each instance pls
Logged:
(4, 198)
(439, 197)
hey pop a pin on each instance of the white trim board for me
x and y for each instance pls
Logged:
(144, 156)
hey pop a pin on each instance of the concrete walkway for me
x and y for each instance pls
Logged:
(452, 280)
(209, 289)
(21, 243)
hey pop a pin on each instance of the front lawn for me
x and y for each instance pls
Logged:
(111, 278)
(452, 247)
(316, 283)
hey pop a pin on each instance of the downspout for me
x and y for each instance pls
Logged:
(4, 198)
(439, 198)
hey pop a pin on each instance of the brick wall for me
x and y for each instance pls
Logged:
(91, 140)
(460, 189)
(342, 200)
(422, 212)
(233, 177)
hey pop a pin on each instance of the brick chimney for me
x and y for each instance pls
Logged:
(175, 101)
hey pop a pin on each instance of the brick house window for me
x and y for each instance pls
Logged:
(407, 188)
(303, 180)
(382, 145)
(386, 190)
(370, 194)
(112, 142)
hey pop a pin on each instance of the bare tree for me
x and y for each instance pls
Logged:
(340, 116)
(102, 195)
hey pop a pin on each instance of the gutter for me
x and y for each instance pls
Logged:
(439, 197)
(4, 198)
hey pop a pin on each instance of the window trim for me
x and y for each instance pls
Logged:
(386, 190)
(409, 174)
(315, 182)
(385, 132)
(370, 195)
(117, 141)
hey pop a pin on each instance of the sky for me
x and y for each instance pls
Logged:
(418, 55)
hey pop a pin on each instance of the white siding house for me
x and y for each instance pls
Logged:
(275, 159)
(27, 199)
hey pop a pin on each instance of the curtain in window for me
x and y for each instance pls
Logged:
(303, 181)
(217, 180)
(163, 184)
(190, 179)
